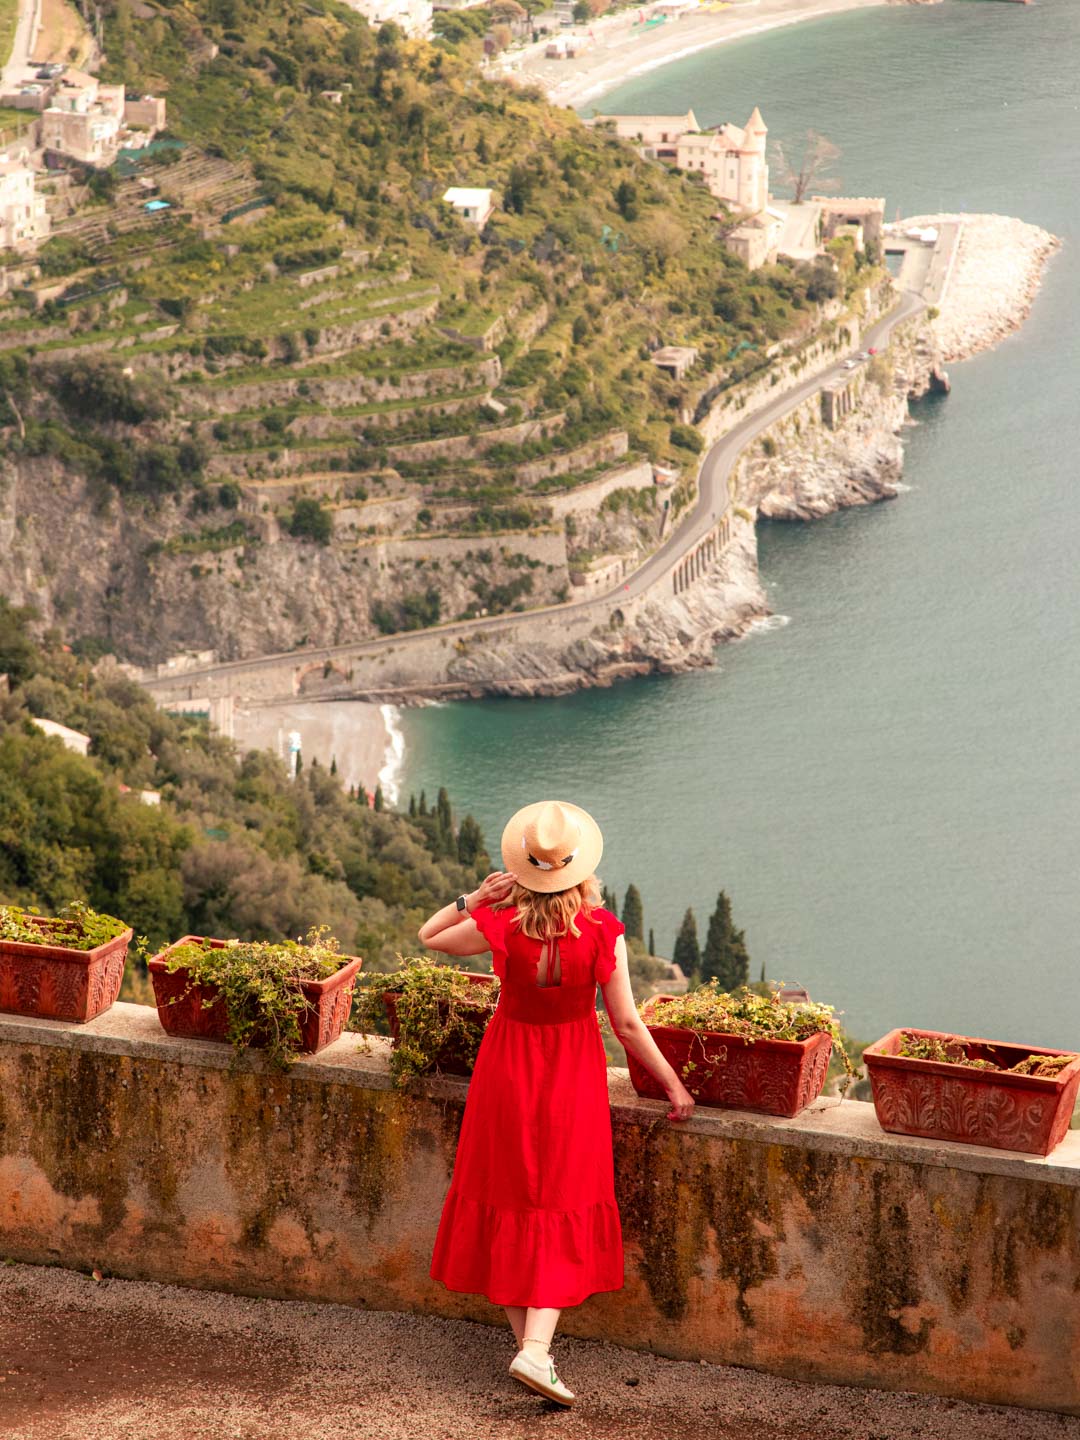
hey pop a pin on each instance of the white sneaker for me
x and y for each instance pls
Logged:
(541, 1378)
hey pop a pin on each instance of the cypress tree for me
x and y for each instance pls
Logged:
(379, 805)
(299, 762)
(652, 941)
(333, 764)
(423, 803)
(609, 900)
(445, 826)
(687, 952)
(725, 959)
(633, 915)
(412, 807)
(470, 841)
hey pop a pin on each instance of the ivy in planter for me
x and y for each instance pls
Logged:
(950, 1051)
(440, 1010)
(259, 982)
(76, 927)
(747, 1014)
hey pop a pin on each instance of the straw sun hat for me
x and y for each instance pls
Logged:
(551, 845)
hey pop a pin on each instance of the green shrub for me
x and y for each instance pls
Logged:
(310, 520)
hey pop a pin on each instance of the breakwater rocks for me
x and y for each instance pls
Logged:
(995, 277)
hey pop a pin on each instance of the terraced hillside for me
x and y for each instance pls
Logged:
(306, 403)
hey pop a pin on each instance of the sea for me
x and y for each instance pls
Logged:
(885, 776)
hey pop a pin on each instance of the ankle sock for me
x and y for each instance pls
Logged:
(536, 1351)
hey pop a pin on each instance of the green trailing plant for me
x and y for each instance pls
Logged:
(76, 927)
(951, 1050)
(748, 1015)
(259, 981)
(440, 1012)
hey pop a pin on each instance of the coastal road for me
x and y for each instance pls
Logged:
(712, 503)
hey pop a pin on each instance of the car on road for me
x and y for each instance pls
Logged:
(49, 72)
(850, 364)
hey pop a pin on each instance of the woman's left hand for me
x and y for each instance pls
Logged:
(490, 891)
(682, 1104)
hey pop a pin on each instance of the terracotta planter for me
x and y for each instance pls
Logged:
(183, 1013)
(774, 1077)
(940, 1101)
(54, 982)
(449, 1060)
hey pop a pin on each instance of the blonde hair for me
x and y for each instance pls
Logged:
(547, 917)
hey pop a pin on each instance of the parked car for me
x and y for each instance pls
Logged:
(850, 364)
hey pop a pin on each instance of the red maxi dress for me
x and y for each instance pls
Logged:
(530, 1217)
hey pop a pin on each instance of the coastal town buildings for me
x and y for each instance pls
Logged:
(24, 220)
(860, 217)
(412, 17)
(757, 239)
(732, 162)
(473, 206)
(83, 119)
(675, 360)
(730, 159)
(145, 112)
(657, 135)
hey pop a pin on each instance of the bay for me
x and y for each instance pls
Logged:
(887, 785)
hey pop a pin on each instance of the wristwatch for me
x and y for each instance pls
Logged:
(462, 904)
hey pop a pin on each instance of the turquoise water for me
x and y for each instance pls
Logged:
(888, 785)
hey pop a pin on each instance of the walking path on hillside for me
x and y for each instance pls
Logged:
(18, 64)
(712, 503)
(121, 1360)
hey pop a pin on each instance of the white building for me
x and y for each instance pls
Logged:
(83, 121)
(412, 17)
(730, 159)
(24, 220)
(72, 739)
(658, 135)
(474, 206)
(732, 162)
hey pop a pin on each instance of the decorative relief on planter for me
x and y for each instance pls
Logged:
(937, 1100)
(53, 982)
(775, 1077)
(198, 1012)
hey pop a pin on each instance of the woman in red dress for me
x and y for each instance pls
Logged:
(530, 1219)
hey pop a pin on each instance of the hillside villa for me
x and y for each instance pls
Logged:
(473, 206)
(24, 220)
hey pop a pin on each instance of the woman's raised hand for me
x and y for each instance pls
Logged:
(492, 889)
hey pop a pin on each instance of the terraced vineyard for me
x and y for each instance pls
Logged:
(305, 402)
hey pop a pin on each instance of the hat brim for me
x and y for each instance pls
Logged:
(548, 882)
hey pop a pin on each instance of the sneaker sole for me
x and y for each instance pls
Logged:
(542, 1390)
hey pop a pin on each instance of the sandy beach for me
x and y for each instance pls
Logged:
(364, 739)
(622, 49)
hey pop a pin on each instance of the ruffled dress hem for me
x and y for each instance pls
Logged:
(543, 1257)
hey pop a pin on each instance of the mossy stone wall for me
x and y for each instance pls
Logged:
(817, 1248)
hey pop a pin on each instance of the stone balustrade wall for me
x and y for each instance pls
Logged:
(817, 1248)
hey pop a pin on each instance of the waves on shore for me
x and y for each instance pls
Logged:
(762, 624)
(394, 755)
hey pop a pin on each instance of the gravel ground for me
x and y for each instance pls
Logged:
(121, 1360)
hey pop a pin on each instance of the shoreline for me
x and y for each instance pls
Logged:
(602, 68)
(365, 739)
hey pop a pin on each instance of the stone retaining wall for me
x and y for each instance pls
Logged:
(817, 1248)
